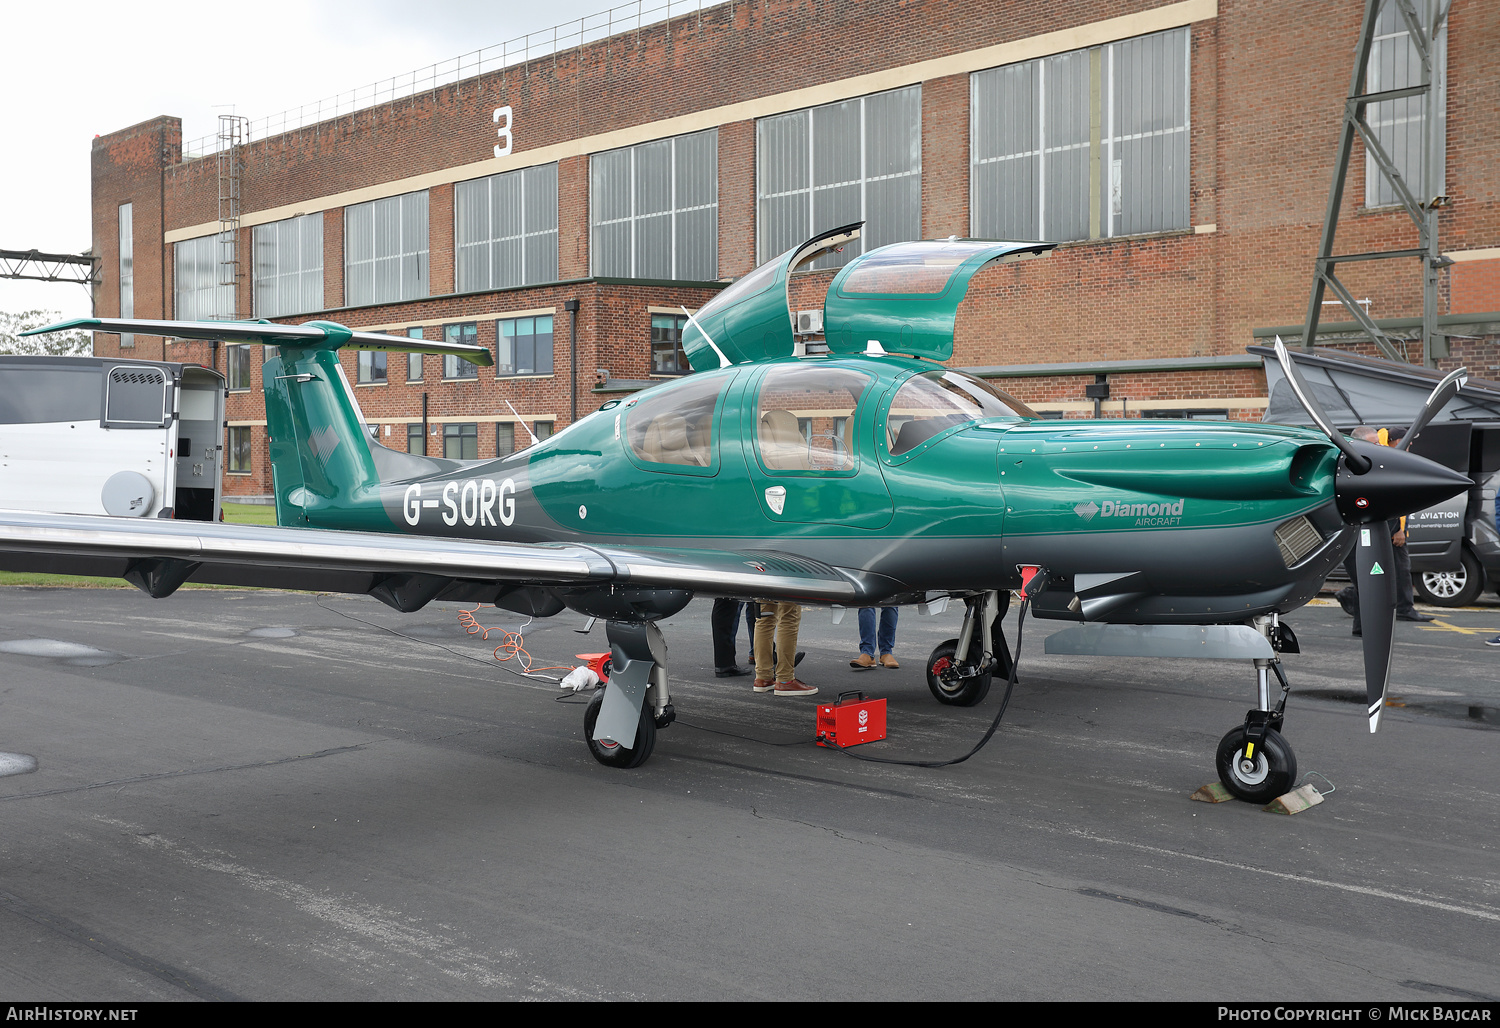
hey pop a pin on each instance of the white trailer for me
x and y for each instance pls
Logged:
(90, 435)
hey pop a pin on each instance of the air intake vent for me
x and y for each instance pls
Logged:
(1296, 538)
(124, 376)
(788, 563)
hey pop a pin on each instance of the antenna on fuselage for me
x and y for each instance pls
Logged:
(534, 439)
(724, 361)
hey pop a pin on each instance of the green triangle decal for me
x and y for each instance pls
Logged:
(1375, 570)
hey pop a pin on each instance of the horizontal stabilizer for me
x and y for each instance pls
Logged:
(315, 335)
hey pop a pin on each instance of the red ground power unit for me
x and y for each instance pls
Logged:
(850, 720)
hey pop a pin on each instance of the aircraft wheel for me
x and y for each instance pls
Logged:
(945, 682)
(612, 754)
(1270, 773)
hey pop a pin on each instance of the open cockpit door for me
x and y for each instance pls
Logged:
(752, 320)
(905, 296)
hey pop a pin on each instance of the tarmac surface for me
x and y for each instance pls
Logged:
(275, 796)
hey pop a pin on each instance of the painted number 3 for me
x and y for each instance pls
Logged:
(503, 119)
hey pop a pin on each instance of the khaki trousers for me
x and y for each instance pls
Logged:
(779, 622)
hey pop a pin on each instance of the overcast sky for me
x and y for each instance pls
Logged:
(81, 68)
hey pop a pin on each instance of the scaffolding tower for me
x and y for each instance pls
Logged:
(232, 133)
(1421, 153)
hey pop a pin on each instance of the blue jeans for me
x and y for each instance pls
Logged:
(867, 635)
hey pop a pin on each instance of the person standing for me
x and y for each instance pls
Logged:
(725, 624)
(873, 639)
(776, 650)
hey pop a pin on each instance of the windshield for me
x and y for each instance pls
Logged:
(936, 400)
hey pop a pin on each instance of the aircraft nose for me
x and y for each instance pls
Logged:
(1397, 483)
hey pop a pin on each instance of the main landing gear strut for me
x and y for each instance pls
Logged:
(959, 671)
(1255, 762)
(621, 720)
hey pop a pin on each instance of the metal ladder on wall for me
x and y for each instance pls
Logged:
(1423, 22)
(232, 132)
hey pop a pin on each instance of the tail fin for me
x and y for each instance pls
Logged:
(325, 467)
(322, 468)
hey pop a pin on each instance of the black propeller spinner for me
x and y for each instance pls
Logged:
(1374, 484)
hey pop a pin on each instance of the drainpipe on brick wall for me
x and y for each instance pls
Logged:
(571, 306)
(424, 424)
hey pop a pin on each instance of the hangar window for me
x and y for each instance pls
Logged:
(506, 229)
(524, 346)
(414, 360)
(1083, 145)
(860, 160)
(457, 367)
(416, 442)
(237, 366)
(461, 442)
(198, 294)
(127, 269)
(385, 250)
(372, 367)
(289, 266)
(667, 354)
(239, 450)
(1398, 124)
(654, 209)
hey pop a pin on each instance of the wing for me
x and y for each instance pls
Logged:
(407, 571)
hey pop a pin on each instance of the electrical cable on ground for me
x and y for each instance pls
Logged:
(513, 645)
(1041, 580)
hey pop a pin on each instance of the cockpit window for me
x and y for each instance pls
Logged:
(676, 426)
(804, 416)
(935, 400)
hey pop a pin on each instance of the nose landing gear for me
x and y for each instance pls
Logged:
(1256, 772)
(1254, 761)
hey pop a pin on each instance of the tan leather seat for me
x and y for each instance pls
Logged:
(782, 446)
(667, 442)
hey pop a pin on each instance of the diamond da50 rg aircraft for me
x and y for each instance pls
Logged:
(865, 473)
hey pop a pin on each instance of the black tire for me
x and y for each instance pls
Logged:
(613, 754)
(1273, 769)
(951, 690)
(1457, 588)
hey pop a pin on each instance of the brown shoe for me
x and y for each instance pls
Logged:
(886, 660)
(764, 685)
(795, 688)
(864, 662)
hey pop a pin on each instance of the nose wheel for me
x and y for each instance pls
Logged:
(1256, 771)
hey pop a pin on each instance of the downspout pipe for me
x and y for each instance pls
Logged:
(571, 306)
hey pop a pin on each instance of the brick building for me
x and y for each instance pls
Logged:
(1180, 152)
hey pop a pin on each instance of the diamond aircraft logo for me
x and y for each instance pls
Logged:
(1142, 514)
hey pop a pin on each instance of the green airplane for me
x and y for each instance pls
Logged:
(855, 470)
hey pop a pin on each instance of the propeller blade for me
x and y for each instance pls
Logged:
(1356, 462)
(1375, 566)
(1396, 483)
(1444, 391)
